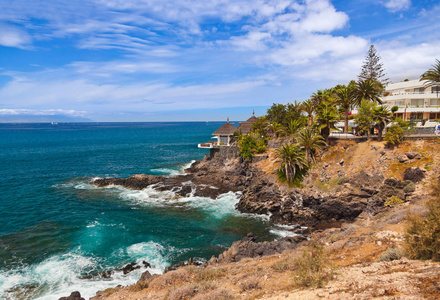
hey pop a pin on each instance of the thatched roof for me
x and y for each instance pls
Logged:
(226, 129)
(245, 127)
(252, 119)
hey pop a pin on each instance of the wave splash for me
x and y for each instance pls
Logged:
(60, 275)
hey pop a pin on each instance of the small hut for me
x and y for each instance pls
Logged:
(245, 127)
(224, 134)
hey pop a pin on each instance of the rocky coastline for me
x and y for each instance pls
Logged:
(337, 192)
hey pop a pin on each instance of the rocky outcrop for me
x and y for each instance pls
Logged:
(128, 268)
(73, 296)
(248, 248)
(414, 174)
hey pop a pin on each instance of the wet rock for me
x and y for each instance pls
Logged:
(129, 268)
(73, 296)
(414, 174)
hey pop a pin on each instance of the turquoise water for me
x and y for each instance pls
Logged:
(56, 228)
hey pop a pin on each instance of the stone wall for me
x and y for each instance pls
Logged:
(423, 130)
(224, 152)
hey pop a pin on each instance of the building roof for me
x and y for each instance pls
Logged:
(245, 127)
(226, 129)
(405, 85)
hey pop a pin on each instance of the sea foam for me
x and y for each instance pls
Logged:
(60, 275)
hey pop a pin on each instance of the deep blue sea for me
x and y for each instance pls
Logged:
(56, 228)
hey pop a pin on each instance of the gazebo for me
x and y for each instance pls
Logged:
(224, 134)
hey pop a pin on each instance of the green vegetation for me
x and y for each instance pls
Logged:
(293, 163)
(313, 267)
(251, 144)
(392, 201)
(432, 76)
(422, 235)
(391, 254)
(397, 131)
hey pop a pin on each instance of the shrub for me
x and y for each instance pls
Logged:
(210, 273)
(411, 187)
(314, 266)
(397, 131)
(169, 279)
(391, 254)
(343, 180)
(183, 292)
(250, 144)
(422, 235)
(392, 201)
(138, 286)
(219, 294)
(283, 266)
(250, 283)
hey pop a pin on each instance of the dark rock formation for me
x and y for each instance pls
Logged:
(414, 174)
(412, 155)
(73, 296)
(248, 248)
(125, 270)
(145, 276)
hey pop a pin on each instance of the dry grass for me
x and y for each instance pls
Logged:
(169, 279)
(182, 292)
(219, 294)
(210, 273)
(314, 267)
(249, 283)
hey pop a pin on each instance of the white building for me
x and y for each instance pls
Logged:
(415, 100)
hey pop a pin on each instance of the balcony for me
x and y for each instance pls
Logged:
(209, 145)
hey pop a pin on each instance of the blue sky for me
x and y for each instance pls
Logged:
(182, 60)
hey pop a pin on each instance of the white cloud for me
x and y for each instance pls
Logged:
(397, 5)
(12, 36)
(43, 112)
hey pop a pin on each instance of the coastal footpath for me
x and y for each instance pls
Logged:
(347, 201)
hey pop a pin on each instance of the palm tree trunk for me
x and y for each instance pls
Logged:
(346, 121)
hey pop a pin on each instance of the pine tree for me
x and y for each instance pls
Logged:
(372, 69)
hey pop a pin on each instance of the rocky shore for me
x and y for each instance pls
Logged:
(262, 194)
(346, 200)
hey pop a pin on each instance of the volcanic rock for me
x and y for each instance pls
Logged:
(414, 174)
(73, 296)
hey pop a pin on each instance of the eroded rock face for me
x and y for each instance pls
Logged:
(248, 248)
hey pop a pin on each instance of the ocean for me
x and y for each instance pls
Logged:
(56, 228)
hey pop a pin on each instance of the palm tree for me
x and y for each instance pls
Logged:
(275, 128)
(382, 116)
(292, 128)
(292, 160)
(364, 118)
(309, 107)
(368, 90)
(346, 98)
(322, 96)
(326, 116)
(432, 76)
(310, 141)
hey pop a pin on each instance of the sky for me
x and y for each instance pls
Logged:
(197, 60)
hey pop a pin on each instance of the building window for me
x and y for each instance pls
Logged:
(419, 90)
(435, 102)
(400, 103)
(417, 102)
(433, 116)
(418, 116)
(435, 89)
